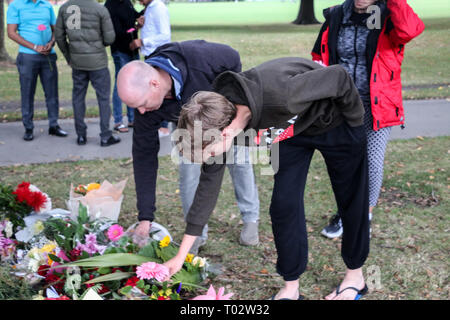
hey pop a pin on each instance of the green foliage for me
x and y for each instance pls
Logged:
(12, 288)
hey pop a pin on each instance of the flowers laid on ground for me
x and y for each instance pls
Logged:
(212, 295)
(16, 204)
(84, 189)
(87, 256)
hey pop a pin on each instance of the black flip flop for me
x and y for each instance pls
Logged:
(359, 293)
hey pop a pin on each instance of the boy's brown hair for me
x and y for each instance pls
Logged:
(212, 110)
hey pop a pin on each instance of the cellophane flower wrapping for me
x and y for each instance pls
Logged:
(104, 202)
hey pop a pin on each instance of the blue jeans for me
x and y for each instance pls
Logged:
(30, 66)
(242, 176)
(121, 59)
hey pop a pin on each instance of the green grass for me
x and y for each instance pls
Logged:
(410, 241)
(262, 30)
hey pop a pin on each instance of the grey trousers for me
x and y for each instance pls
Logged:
(101, 81)
(242, 176)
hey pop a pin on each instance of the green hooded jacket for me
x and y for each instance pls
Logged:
(83, 31)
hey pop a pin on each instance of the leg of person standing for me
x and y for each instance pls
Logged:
(287, 213)
(80, 85)
(101, 81)
(189, 179)
(49, 80)
(116, 102)
(344, 150)
(28, 67)
(376, 149)
(246, 192)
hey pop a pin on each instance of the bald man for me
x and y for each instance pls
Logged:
(158, 88)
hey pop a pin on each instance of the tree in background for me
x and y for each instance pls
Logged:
(306, 13)
(4, 56)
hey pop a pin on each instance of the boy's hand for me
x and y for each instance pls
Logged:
(174, 265)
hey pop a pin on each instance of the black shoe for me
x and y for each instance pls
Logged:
(81, 140)
(110, 141)
(334, 229)
(57, 131)
(28, 136)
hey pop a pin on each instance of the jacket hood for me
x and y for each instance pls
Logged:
(242, 90)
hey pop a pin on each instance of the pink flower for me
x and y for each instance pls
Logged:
(152, 270)
(211, 295)
(42, 27)
(115, 232)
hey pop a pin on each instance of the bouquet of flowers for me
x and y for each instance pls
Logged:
(20, 202)
(102, 200)
(87, 256)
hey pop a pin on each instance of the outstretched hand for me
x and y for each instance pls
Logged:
(174, 265)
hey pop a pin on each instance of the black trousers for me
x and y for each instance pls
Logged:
(345, 154)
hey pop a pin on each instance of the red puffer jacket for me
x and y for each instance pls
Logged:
(384, 52)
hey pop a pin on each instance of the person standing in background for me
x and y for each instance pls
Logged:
(124, 18)
(154, 33)
(84, 47)
(372, 55)
(31, 24)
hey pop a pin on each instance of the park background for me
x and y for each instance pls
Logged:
(410, 243)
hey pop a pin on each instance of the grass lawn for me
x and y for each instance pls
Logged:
(262, 30)
(410, 240)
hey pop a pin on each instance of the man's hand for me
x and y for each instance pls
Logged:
(140, 22)
(141, 234)
(42, 50)
(135, 44)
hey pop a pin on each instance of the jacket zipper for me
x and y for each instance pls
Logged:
(356, 53)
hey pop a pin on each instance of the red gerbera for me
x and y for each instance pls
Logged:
(34, 199)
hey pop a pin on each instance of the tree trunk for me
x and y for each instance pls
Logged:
(306, 13)
(4, 56)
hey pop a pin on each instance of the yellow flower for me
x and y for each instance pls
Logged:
(189, 257)
(165, 293)
(49, 247)
(93, 186)
(164, 242)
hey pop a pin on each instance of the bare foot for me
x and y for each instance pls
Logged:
(289, 291)
(353, 278)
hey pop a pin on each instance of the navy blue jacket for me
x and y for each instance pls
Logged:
(200, 62)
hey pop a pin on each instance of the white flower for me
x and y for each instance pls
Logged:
(38, 227)
(200, 261)
(8, 229)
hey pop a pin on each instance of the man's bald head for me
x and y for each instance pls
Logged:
(133, 81)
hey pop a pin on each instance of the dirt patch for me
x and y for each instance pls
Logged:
(394, 197)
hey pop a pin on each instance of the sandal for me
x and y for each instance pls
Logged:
(120, 128)
(359, 293)
(130, 124)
